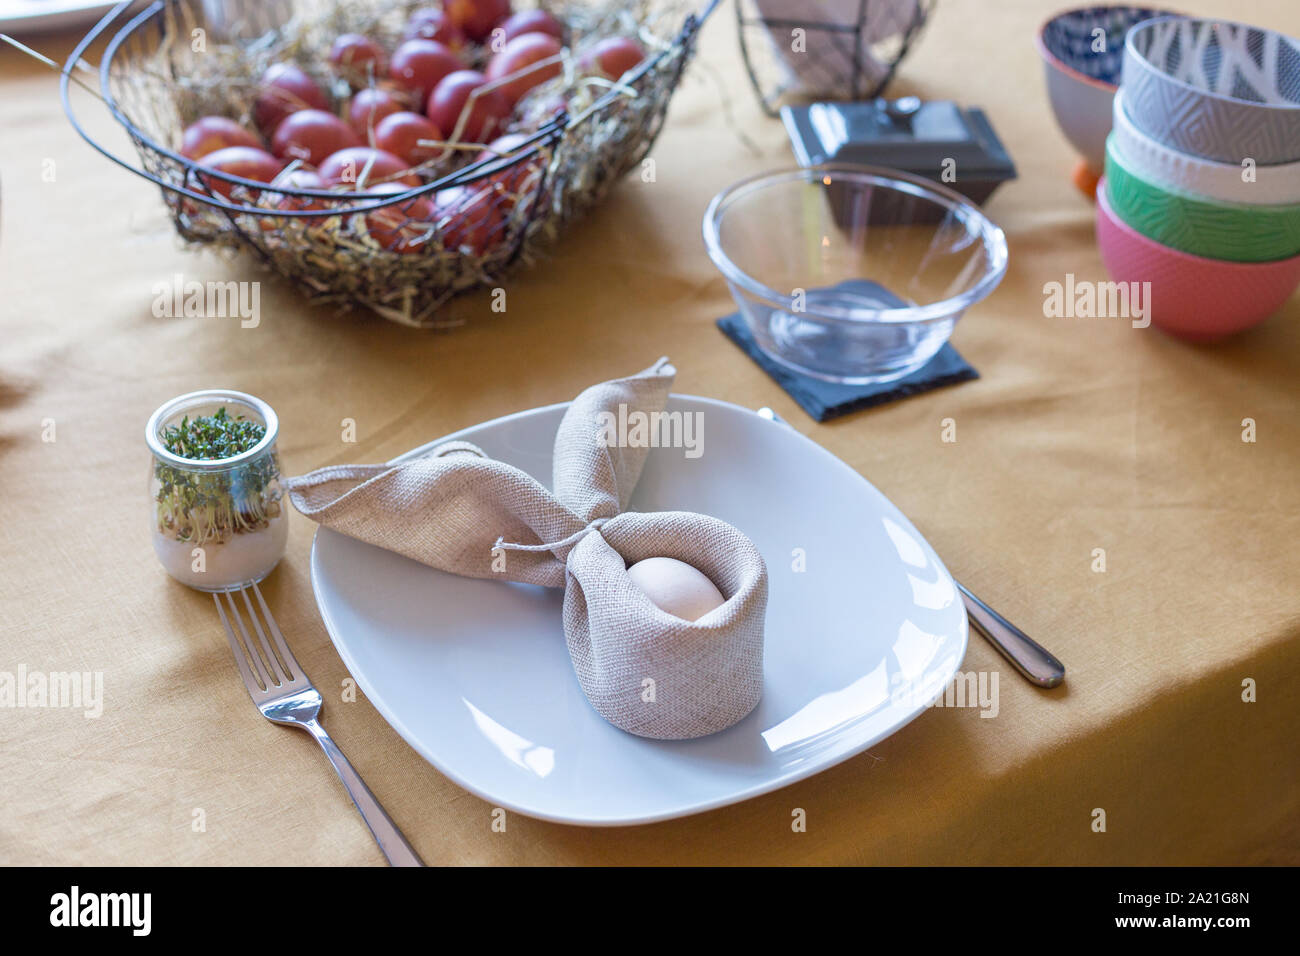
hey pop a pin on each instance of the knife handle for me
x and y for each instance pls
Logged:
(1034, 661)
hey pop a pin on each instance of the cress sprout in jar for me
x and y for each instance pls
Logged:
(217, 518)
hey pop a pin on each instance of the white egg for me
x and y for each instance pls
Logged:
(676, 587)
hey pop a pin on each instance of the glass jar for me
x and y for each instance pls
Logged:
(217, 523)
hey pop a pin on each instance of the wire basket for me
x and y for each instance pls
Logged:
(402, 252)
(829, 50)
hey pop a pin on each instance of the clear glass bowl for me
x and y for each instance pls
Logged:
(219, 523)
(852, 274)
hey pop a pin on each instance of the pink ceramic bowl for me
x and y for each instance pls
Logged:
(1190, 296)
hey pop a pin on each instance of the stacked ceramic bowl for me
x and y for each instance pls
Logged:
(1201, 196)
(1083, 54)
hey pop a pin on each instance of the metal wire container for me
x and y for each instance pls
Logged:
(828, 50)
(475, 215)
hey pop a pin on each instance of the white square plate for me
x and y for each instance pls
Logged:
(475, 676)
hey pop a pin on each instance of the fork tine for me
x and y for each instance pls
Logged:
(296, 702)
(254, 659)
(286, 656)
(272, 664)
(254, 688)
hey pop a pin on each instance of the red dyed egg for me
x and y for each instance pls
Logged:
(614, 56)
(311, 135)
(469, 218)
(476, 18)
(419, 65)
(527, 21)
(402, 134)
(357, 58)
(518, 61)
(297, 179)
(369, 106)
(434, 24)
(246, 161)
(486, 111)
(404, 227)
(284, 89)
(350, 165)
(211, 133)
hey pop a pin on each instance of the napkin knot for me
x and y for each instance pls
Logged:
(504, 545)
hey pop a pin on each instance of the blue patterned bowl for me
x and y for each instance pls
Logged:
(1083, 57)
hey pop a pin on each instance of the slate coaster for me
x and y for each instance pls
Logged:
(827, 400)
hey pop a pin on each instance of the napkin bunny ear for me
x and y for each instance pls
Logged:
(447, 510)
(604, 438)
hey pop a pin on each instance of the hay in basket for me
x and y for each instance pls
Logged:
(577, 134)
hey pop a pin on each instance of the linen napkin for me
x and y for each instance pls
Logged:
(456, 509)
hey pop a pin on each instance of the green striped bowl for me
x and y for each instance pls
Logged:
(1232, 232)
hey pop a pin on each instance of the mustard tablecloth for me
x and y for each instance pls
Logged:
(1080, 435)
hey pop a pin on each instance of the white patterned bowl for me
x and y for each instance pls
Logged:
(1223, 91)
(1226, 182)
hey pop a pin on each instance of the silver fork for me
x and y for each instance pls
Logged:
(284, 695)
(1034, 662)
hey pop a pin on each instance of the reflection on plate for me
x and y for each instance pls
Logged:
(864, 630)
